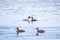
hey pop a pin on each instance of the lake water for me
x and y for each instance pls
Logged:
(47, 12)
(9, 33)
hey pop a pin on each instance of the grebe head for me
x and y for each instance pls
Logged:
(28, 16)
(37, 28)
(32, 17)
(17, 28)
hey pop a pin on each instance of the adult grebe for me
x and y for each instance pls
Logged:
(39, 31)
(28, 19)
(19, 30)
(32, 19)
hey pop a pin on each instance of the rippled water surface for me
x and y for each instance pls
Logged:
(47, 12)
(9, 33)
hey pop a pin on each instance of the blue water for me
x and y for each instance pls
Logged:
(9, 33)
(47, 12)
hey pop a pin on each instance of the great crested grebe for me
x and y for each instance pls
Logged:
(30, 19)
(19, 31)
(39, 31)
